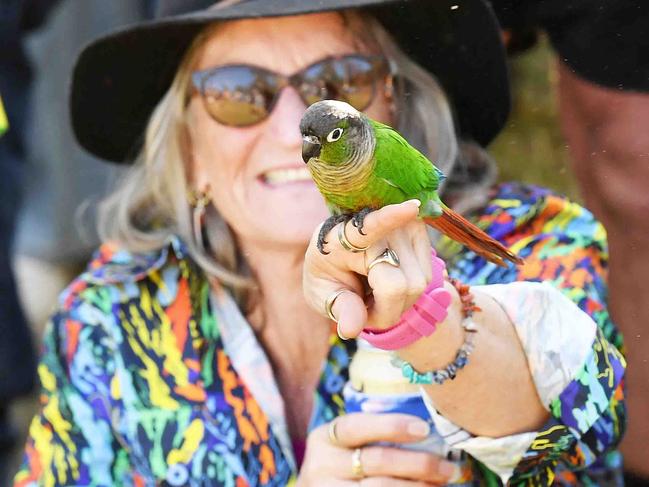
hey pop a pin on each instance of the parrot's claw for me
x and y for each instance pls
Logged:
(329, 223)
(359, 219)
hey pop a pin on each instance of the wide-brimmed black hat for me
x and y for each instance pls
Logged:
(119, 78)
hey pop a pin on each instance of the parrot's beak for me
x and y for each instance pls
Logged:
(310, 147)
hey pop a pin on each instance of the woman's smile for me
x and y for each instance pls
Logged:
(287, 175)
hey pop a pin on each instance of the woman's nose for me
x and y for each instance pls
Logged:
(284, 121)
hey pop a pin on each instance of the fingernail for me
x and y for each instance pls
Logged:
(449, 469)
(415, 202)
(418, 428)
(340, 333)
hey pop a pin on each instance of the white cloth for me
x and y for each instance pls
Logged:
(557, 338)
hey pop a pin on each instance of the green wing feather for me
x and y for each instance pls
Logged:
(402, 172)
(403, 167)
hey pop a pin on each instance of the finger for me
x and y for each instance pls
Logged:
(422, 247)
(327, 460)
(350, 313)
(359, 429)
(406, 464)
(378, 224)
(389, 288)
(379, 461)
(324, 275)
(401, 243)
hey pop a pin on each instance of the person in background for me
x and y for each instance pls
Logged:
(603, 88)
(199, 346)
(47, 177)
(17, 358)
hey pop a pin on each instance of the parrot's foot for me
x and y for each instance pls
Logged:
(329, 223)
(359, 218)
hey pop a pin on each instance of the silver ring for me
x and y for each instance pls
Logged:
(346, 244)
(357, 464)
(329, 304)
(388, 256)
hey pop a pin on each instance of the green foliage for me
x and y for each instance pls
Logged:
(531, 148)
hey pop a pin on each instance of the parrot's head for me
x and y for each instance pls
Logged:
(333, 132)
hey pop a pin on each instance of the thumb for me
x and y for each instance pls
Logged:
(351, 314)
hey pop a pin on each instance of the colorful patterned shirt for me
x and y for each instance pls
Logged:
(151, 377)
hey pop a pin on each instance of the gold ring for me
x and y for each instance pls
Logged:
(329, 304)
(331, 430)
(357, 465)
(346, 244)
(388, 256)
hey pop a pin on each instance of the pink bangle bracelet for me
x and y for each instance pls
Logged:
(420, 320)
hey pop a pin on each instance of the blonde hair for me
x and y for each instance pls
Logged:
(150, 205)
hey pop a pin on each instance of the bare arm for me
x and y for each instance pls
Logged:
(494, 395)
(607, 134)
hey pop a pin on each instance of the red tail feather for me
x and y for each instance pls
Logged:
(461, 230)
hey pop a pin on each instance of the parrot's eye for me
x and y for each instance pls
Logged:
(334, 135)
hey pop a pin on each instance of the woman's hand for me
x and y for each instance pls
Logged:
(330, 463)
(394, 289)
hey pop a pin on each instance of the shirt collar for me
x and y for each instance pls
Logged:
(111, 265)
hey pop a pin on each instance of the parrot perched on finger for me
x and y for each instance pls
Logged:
(360, 165)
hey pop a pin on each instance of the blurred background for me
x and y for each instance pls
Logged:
(531, 148)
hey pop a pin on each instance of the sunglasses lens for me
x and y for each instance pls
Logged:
(358, 81)
(238, 95)
(314, 85)
(351, 79)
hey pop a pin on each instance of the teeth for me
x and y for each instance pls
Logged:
(287, 175)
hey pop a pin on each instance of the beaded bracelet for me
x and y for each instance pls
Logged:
(440, 376)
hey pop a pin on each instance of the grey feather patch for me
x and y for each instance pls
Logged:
(324, 116)
(432, 208)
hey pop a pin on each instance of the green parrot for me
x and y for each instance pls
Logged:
(360, 165)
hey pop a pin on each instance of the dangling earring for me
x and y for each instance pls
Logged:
(199, 200)
(388, 92)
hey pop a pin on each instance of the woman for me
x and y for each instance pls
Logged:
(189, 354)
